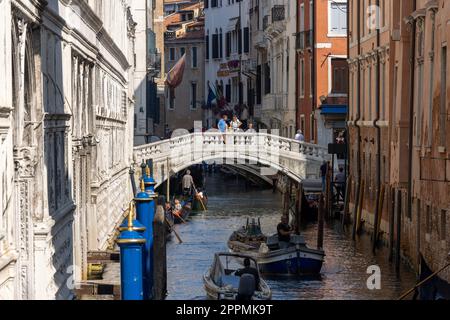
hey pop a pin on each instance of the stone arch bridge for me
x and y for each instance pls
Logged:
(298, 161)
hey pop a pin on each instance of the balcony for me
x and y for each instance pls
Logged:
(169, 35)
(304, 40)
(249, 66)
(154, 64)
(278, 13)
(275, 102)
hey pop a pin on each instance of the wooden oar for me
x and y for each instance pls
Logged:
(403, 296)
(201, 201)
(181, 218)
(173, 229)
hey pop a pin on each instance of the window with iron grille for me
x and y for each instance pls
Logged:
(278, 13)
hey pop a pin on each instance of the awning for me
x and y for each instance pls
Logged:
(334, 109)
(232, 24)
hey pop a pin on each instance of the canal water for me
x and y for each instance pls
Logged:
(344, 273)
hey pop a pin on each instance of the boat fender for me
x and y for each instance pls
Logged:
(263, 248)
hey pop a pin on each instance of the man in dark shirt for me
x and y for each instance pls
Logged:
(249, 270)
(323, 174)
(284, 233)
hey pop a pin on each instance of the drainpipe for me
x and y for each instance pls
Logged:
(358, 117)
(411, 116)
(347, 151)
(297, 122)
(313, 66)
(378, 129)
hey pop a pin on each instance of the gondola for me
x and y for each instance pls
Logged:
(221, 282)
(200, 202)
(184, 215)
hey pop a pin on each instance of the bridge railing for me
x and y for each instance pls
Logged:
(230, 141)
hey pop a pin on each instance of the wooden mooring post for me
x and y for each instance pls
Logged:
(160, 255)
(321, 217)
(298, 207)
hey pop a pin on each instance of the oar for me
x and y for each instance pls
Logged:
(173, 229)
(181, 218)
(201, 201)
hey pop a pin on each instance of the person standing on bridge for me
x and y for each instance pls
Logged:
(299, 136)
(235, 124)
(223, 126)
(188, 183)
(250, 128)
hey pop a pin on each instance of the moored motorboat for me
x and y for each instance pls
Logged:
(296, 259)
(221, 281)
(248, 238)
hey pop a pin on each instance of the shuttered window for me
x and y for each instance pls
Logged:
(338, 18)
(215, 46)
(228, 44)
(221, 45)
(246, 40)
(207, 47)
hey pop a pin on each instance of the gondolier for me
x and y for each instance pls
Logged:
(187, 183)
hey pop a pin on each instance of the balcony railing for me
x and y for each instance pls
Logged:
(304, 40)
(154, 63)
(278, 13)
(170, 35)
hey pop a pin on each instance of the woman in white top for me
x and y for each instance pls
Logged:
(235, 124)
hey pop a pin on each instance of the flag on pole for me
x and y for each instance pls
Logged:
(211, 97)
(175, 75)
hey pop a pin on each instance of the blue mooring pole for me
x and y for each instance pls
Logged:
(131, 245)
(145, 208)
(149, 182)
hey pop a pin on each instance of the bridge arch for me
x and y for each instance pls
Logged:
(298, 161)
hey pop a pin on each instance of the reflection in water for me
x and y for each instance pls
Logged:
(343, 274)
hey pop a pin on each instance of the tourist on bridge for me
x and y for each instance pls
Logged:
(299, 136)
(235, 124)
(187, 183)
(250, 128)
(284, 233)
(223, 125)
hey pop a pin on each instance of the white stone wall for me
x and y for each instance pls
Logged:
(66, 132)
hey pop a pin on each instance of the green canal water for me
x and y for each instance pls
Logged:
(344, 273)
